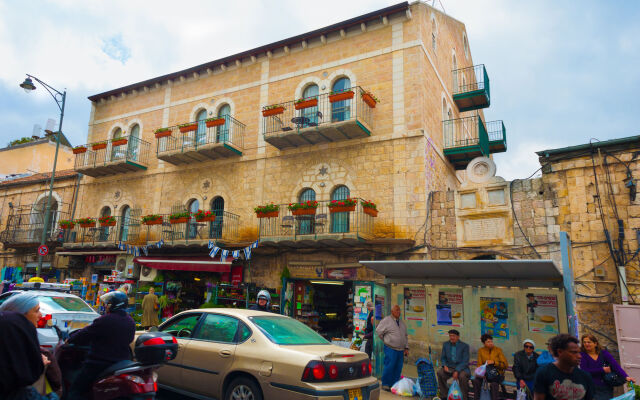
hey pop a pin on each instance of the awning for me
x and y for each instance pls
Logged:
(185, 263)
(522, 273)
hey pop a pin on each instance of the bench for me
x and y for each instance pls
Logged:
(503, 386)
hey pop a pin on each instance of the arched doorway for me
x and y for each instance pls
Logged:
(117, 152)
(341, 110)
(201, 132)
(192, 228)
(38, 217)
(215, 227)
(306, 222)
(104, 230)
(223, 130)
(125, 220)
(311, 113)
(133, 146)
(340, 220)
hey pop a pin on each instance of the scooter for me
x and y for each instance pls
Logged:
(135, 380)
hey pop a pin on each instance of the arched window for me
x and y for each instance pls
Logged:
(311, 113)
(134, 142)
(217, 208)
(465, 44)
(201, 132)
(104, 230)
(454, 68)
(433, 34)
(306, 224)
(192, 228)
(340, 220)
(341, 110)
(117, 152)
(223, 130)
(447, 125)
(38, 217)
(125, 220)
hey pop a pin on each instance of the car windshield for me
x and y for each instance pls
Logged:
(287, 331)
(64, 303)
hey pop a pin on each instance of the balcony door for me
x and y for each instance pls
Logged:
(311, 113)
(133, 146)
(306, 222)
(117, 152)
(201, 132)
(125, 220)
(104, 230)
(222, 134)
(215, 227)
(340, 220)
(192, 226)
(341, 110)
(38, 216)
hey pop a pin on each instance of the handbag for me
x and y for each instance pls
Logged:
(613, 379)
(492, 374)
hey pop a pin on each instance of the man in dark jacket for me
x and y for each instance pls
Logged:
(109, 337)
(525, 365)
(263, 301)
(455, 364)
(368, 330)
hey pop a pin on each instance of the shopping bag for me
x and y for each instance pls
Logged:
(481, 370)
(416, 389)
(454, 391)
(630, 395)
(363, 346)
(521, 395)
(485, 394)
(404, 387)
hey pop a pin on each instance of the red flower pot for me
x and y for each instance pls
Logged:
(306, 104)
(162, 134)
(119, 142)
(270, 214)
(93, 225)
(154, 222)
(179, 220)
(215, 122)
(206, 219)
(99, 146)
(370, 211)
(341, 96)
(79, 150)
(68, 226)
(110, 223)
(272, 111)
(371, 102)
(188, 128)
(304, 211)
(336, 209)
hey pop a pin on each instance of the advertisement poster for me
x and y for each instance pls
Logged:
(542, 313)
(341, 273)
(494, 316)
(415, 303)
(379, 304)
(449, 310)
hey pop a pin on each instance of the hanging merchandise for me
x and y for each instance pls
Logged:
(235, 254)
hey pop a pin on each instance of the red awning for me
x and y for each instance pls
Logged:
(185, 263)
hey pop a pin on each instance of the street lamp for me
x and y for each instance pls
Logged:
(60, 98)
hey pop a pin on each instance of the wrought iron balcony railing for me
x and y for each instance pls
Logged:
(471, 88)
(225, 227)
(108, 158)
(124, 230)
(27, 228)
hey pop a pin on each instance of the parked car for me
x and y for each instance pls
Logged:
(65, 310)
(244, 354)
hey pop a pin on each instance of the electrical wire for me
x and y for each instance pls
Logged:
(515, 216)
(592, 296)
(604, 335)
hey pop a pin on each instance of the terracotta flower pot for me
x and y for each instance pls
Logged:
(99, 146)
(109, 223)
(306, 104)
(188, 128)
(304, 211)
(162, 134)
(370, 211)
(341, 96)
(154, 222)
(270, 214)
(68, 226)
(367, 98)
(179, 220)
(272, 111)
(93, 225)
(336, 209)
(79, 150)
(119, 142)
(215, 122)
(206, 219)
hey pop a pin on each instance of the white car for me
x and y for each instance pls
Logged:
(65, 310)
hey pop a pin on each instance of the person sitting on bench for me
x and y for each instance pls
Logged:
(455, 363)
(494, 357)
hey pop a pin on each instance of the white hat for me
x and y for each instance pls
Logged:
(529, 341)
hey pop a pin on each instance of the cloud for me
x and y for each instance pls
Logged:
(115, 48)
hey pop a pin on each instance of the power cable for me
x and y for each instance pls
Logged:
(604, 335)
(516, 217)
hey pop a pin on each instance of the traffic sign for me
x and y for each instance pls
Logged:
(43, 250)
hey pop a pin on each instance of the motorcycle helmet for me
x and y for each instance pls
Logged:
(264, 294)
(115, 301)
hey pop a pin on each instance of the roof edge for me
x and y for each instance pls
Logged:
(588, 146)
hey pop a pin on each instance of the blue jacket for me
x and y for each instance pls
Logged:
(462, 356)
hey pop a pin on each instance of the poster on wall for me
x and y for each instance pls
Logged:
(414, 303)
(449, 310)
(379, 305)
(494, 316)
(542, 313)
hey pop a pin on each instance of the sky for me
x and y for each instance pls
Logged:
(561, 72)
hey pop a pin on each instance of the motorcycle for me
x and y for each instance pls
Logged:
(128, 379)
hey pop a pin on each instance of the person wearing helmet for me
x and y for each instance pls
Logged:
(263, 301)
(109, 337)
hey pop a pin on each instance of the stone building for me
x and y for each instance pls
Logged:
(35, 156)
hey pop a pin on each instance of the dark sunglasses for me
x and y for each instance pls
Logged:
(528, 346)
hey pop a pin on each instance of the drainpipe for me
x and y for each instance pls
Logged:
(622, 276)
(75, 196)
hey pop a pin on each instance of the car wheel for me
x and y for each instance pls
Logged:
(243, 389)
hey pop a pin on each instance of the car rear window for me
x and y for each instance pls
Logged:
(287, 331)
(64, 303)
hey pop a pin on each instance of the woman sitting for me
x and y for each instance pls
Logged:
(494, 357)
(598, 362)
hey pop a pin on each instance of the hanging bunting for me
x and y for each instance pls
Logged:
(236, 254)
(254, 244)
(211, 244)
(214, 251)
(223, 255)
(247, 253)
(145, 250)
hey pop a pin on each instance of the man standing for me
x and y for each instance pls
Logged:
(150, 310)
(455, 363)
(562, 379)
(393, 333)
(368, 329)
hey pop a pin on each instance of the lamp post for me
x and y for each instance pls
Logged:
(60, 98)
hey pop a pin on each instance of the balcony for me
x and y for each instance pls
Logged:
(25, 229)
(468, 138)
(471, 88)
(110, 158)
(126, 230)
(202, 143)
(497, 137)
(322, 229)
(323, 119)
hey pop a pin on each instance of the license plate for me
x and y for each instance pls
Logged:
(77, 324)
(355, 394)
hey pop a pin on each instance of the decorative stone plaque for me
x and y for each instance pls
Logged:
(484, 229)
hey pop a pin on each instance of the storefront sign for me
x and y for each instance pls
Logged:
(542, 313)
(94, 278)
(449, 310)
(494, 315)
(341, 273)
(415, 303)
(306, 271)
(236, 275)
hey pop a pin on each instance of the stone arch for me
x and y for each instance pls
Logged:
(193, 196)
(336, 175)
(306, 82)
(335, 75)
(465, 44)
(115, 126)
(106, 205)
(133, 122)
(225, 100)
(43, 197)
(196, 109)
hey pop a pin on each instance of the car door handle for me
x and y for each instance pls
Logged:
(225, 353)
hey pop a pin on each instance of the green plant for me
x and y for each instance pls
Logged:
(369, 204)
(87, 221)
(348, 202)
(163, 301)
(159, 130)
(267, 208)
(65, 222)
(302, 100)
(183, 214)
(303, 206)
(107, 219)
(274, 106)
(202, 214)
(340, 91)
(187, 124)
(151, 217)
(100, 142)
(80, 147)
(285, 273)
(372, 96)
(213, 119)
(22, 140)
(159, 278)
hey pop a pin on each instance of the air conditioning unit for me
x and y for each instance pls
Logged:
(148, 274)
(125, 266)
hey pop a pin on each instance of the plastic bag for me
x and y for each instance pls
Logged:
(521, 395)
(454, 391)
(404, 387)
(416, 389)
(630, 395)
(485, 394)
(481, 371)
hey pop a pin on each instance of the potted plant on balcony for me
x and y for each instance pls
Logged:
(107, 221)
(119, 141)
(66, 224)
(152, 219)
(340, 95)
(162, 132)
(370, 99)
(369, 208)
(217, 121)
(204, 216)
(305, 208)
(267, 211)
(99, 145)
(188, 127)
(180, 217)
(306, 103)
(86, 222)
(345, 205)
(79, 149)
(275, 109)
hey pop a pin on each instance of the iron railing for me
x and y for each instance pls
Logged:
(124, 230)
(321, 225)
(225, 227)
(26, 228)
(496, 131)
(231, 132)
(135, 150)
(325, 112)
(463, 132)
(470, 79)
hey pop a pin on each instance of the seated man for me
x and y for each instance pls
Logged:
(455, 363)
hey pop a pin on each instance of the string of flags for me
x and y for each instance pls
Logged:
(214, 250)
(137, 251)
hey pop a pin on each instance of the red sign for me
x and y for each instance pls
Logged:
(236, 275)
(43, 250)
